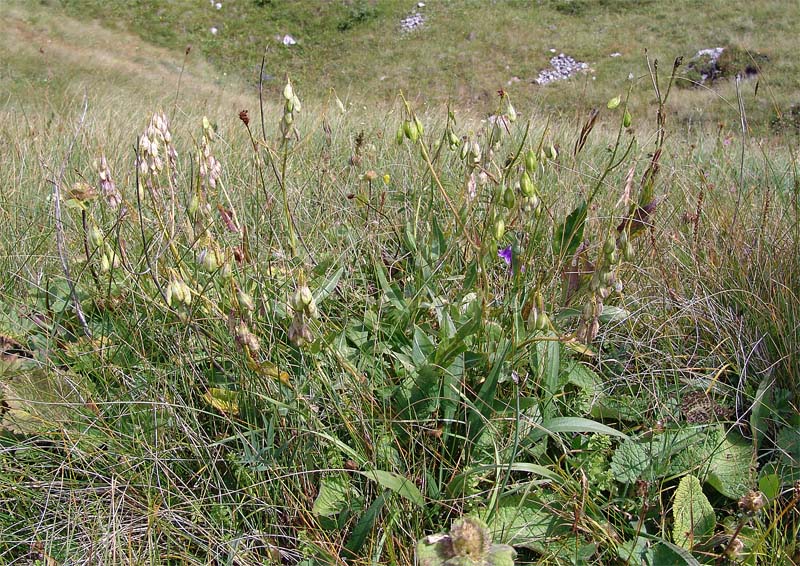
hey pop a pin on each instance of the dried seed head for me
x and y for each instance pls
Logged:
(244, 117)
(470, 538)
(734, 548)
(753, 502)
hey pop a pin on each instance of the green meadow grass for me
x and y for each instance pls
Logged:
(468, 49)
(320, 357)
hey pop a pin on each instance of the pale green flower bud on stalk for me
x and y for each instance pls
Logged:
(499, 229)
(530, 162)
(187, 293)
(245, 301)
(628, 251)
(105, 264)
(543, 322)
(96, 236)
(509, 199)
(419, 126)
(526, 185)
(305, 295)
(614, 102)
(627, 119)
(511, 112)
(288, 91)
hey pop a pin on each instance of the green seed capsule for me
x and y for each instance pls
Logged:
(627, 119)
(499, 229)
(245, 301)
(400, 136)
(509, 199)
(511, 113)
(410, 130)
(628, 251)
(530, 162)
(609, 246)
(526, 185)
(288, 91)
(464, 149)
(614, 102)
(543, 322)
(419, 126)
(96, 236)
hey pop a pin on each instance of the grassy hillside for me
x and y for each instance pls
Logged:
(322, 337)
(468, 49)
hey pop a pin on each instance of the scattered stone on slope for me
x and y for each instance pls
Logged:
(561, 68)
(413, 21)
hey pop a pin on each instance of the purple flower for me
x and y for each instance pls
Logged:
(506, 254)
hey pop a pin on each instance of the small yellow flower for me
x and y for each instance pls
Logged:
(386, 178)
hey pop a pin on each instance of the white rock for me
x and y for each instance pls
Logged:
(288, 40)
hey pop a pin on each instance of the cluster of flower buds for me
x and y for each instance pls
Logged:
(304, 307)
(531, 203)
(627, 119)
(213, 260)
(291, 106)
(107, 186)
(155, 139)
(589, 324)
(537, 317)
(178, 292)
(108, 257)
(245, 338)
(453, 141)
(210, 168)
(501, 124)
(410, 129)
(471, 153)
(604, 281)
(245, 301)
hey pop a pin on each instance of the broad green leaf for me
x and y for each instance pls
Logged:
(578, 424)
(568, 235)
(223, 400)
(732, 468)
(324, 290)
(665, 552)
(693, 515)
(770, 485)
(365, 525)
(788, 442)
(673, 452)
(584, 378)
(42, 401)
(760, 409)
(438, 244)
(485, 400)
(332, 497)
(525, 467)
(394, 295)
(396, 483)
(526, 523)
(424, 397)
(610, 313)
